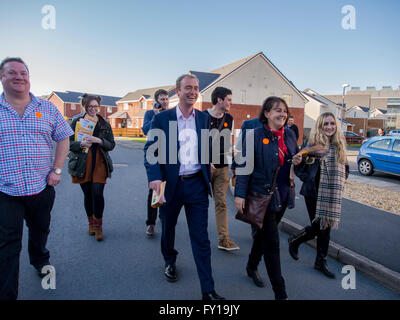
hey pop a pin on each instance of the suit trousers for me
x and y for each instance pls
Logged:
(220, 182)
(193, 195)
(35, 210)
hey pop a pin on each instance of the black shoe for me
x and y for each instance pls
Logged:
(293, 248)
(39, 269)
(255, 276)
(296, 240)
(321, 265)
(212, 296)
(170, 272)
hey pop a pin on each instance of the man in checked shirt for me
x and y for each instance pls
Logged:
(28, 173)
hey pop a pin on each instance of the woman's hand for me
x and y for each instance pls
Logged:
(92, 140)
(239, 204)
(297, 158)
(85, 143)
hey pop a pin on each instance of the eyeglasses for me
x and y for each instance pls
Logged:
(94, 107)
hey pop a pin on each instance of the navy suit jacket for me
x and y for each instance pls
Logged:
(148, 117)
(169, 172)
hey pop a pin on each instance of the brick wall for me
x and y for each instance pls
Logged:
(58, 103)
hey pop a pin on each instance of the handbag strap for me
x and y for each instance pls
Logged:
(276, 171)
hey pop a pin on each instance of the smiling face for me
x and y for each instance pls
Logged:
(188, 92)
(226, 103)
(163, 101)
(277, 116)
(329, 126)
(15, 78)
(92, 108)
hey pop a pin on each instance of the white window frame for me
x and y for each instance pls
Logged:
(129, 123)
(126, 106)
(143, 104)
(109, 109)
(243, 96)
(73, 106)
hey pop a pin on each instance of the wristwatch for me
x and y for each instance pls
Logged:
(57, 171)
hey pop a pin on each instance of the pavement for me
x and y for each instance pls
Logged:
(128, 265)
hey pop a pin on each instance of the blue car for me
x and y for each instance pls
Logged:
(380, 154)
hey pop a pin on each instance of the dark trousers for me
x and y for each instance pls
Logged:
(266, 243)
(323, 236)
(151, 212)
(36, 212)
(93, 199)
(193, 195)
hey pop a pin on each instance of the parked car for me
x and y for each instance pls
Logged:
(394, 132)
(353, 138)
(380, 154)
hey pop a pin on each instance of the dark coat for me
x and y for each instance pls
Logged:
(307, 173)
(169, 171)
(77, 158)
(148, 117)
(266, 160)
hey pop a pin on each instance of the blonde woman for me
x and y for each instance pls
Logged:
(322, 191)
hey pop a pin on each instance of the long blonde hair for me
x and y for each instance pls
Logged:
(317, 136)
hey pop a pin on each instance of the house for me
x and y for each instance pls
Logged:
(252, 80)
(366, 122)
(132, 107)
(316, 105)
(378, 113)
(69, 103)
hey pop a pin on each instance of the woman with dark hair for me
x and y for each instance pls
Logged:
(275, 149)
(90, 164)
(324, 176)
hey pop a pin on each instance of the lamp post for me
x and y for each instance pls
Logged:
(344, 86)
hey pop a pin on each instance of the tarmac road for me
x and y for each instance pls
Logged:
(128, 265)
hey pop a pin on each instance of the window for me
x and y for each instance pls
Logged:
(109, 109)
(126, 106)
(129, 123)
(396, 145)
(287, 98)
(381, 144)
(243, 96)
(143, 104)
(73, 106)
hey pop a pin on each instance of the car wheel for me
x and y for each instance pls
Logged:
(365, 167)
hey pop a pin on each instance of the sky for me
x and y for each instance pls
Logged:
(115, 47)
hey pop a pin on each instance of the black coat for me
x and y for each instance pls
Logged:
(266, 160)
(77, 158)
(308, 173)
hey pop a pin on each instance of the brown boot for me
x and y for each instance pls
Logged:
(98, 229)
(91, 229)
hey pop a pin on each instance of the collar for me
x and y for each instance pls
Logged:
(34, 101)
(179, 113)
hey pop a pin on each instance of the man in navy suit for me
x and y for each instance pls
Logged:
(161, 103)
(187, 180)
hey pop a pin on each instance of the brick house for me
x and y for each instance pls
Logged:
(318, 104)
(132, 107)
(251, 80)
(69, 103)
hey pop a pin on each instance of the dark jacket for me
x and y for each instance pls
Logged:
(169, 170)
(148, 117)
(308, 173)
(77, 158)
(266, 159)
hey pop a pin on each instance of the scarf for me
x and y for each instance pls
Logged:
(331, 186)
(281, 144)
